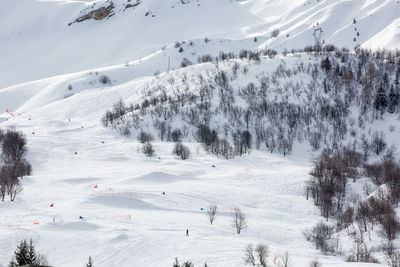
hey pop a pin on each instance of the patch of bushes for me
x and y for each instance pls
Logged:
(181, 150)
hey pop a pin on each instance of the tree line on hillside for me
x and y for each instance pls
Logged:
(328, 100)
(357, 217)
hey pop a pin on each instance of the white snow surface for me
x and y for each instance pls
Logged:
(36, 41)
(128, 220)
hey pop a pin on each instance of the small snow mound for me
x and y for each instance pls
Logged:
(80, 180)
(160, 177)
(120, 237)
(121, 201)
(382, 191)
(73, 226)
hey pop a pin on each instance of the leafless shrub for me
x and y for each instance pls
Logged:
(285, 259)
(378, 142)
(390, 227)
(239, 221)
(249, 255)
(144, 137)
(391, 254)
(211, 212)
(116, 115)
(360, 252)
(347, 218)
(275, 33)
(148, 150)
(176, 135)
(262, 254)
(186, 62)
(14, 187)
(3, 185)
(271, 53)
(104, 79)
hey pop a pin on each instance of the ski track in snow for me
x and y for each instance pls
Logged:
(129, 222)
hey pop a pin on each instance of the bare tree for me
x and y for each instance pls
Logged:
(249, 255)
(321, 235)
(262, 254)
(378, 142)
(347, 218)
(239, 220)
(13, 146)
(391, 254)
(211, 212)
(9, 183)
(285, 259)
(361, 253)
(390, 227)
(389, 250)
(3, 185)
(14, 187)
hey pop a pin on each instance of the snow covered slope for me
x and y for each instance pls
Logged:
(53, 79)
(128, 219)
(386, 38)
(36, 41)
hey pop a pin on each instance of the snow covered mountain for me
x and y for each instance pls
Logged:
(36, 41)
(64, 63)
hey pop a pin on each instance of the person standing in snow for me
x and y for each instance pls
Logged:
(187, 232)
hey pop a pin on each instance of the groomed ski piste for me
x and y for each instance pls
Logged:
(112, 202)
(128, 221)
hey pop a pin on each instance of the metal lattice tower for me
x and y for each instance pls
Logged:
(318, 36)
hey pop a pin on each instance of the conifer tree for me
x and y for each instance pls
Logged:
(21, 254)
(176, 263)
(32, 257)
(381, 99)
(326, 64)
(26, 255)
(90, 262)
(393, 99)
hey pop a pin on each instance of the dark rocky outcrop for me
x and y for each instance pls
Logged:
(129, 5)
(97, 14)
